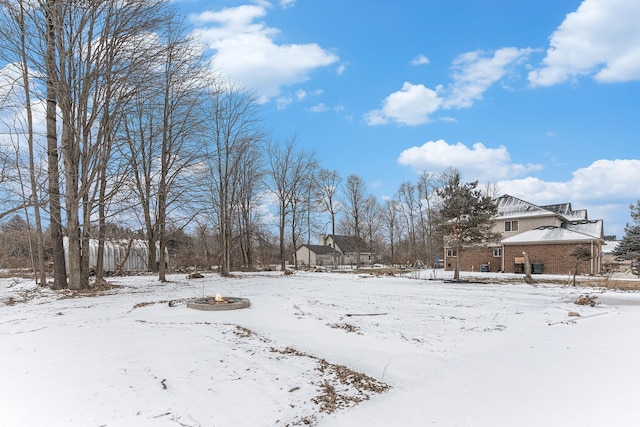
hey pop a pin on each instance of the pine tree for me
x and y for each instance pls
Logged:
(466, 214)
(629, 247)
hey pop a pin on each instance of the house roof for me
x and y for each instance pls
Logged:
(560, 208)
(580, 214)
(592, 228)
(609, 246)
(509, 207)
(349, 243)
(512, 207)
(576, 231)
(566, 211)
(319, 249)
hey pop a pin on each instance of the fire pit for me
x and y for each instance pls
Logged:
(218, 303)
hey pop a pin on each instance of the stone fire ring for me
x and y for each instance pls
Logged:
(210, 304)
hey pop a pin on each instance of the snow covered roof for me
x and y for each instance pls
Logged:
(512, 207)
(592, 228)
(609, 246)
(560, 208)
(580, 214)
(577, 231)
(509, 207)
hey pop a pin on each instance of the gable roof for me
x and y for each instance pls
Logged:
(509, 207)
(566, 211)
(593, 228)
(560, 208)
(512, 207)
(318, 249)
(349, 243)
(573, 232)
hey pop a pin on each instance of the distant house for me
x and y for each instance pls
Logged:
(317, 255)
(610, 244)
(546, 234)
(344, 249)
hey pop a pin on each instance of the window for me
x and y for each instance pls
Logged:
(451, 253)
(497, 252)
(511, 226)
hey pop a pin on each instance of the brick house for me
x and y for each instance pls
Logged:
(547, 234)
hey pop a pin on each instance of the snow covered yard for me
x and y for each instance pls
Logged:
(322, 349)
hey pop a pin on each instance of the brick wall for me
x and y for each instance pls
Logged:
(556, 259)
(472, 258)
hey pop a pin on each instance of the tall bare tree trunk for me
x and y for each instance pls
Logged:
(41, 273)
(59, 265)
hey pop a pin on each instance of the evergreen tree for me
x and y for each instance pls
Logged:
(466, 214)
(629, 247)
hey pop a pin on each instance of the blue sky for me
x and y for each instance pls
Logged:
(541, 98)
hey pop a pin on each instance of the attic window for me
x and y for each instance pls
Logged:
(511, 226)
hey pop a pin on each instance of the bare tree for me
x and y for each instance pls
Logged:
(389, 217)
(15, 34)
(409, 205)
(55, 210)
(427, 185)
(371, 219)
(164, 133)
(85, 53)
(328, 185)
(355, 196)
(287, 168)
(234, 165)
(250, 183)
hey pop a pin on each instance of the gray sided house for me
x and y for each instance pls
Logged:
(344, 249)
(546, 234)
(317, 256)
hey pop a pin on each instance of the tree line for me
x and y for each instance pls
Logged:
(114, 125)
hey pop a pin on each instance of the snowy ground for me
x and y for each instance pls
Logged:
(451, 354)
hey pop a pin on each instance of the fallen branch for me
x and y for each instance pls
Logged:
(364, 314)
(576, 319)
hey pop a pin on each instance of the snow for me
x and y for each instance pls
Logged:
(453, 354)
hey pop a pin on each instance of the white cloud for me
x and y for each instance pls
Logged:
(419, 60)
(375, 118)
(245, 49)
(605, 188)
(603, 179)
(319, 108)
(287, 3)
(412, 105)
(601, 39)
(476, 163)
(283, 102)
(474, 72)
